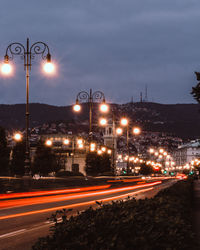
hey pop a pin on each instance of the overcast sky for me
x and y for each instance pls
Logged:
(116, 46)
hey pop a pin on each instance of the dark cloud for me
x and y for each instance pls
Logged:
(110, 45)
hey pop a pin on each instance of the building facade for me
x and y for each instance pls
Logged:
(187, 153)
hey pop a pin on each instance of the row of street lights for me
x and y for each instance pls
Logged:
(28, 53)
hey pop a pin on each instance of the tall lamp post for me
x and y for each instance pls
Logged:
(90, 98)
(27, 53)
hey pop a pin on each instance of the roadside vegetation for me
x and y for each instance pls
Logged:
(163, 222)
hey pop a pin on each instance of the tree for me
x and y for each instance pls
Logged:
(145, 169)
(4, 153)
(196, 90)
(44, 161)
(18, 158)
(97, 164)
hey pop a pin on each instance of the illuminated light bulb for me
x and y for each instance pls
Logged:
(17, 137)
(104, 108)
(103, 149)
(66, 142)
(80, 146)
(124, 122)
(119, 131)
(161, 150)
(136, 131)
(77, 108)
(151, 150)
(6, 69)
(48, 143)
(109, 151)
(49, 68)
(80, 141)
(103, 121)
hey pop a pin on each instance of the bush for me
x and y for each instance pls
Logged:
(163, 222)
(68, 173)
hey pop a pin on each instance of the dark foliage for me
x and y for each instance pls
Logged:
(18, 159)
(4, 153)
(196, 92)
(97, 164)
(145, 169)
(163, 222)
(45, 160)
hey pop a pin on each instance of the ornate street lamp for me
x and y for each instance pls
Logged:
(27, 53)
(90, 98)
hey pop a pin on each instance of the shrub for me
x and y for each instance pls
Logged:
(163, 222)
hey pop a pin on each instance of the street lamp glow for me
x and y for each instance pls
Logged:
(124, 122)
(6, 69)
(104, 107)
(66, 142)
(99, 152)
(119, 131)
(77, 107)
(151, 150)
(80, 141)
(109, 151)
(103, 121)
(103, 149)
(92, 147)
(49, 68)
(17, 137)
(80, 146)
(161, 150)
(136, 131)
(48, 143)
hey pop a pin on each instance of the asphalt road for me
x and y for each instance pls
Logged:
(24, 219)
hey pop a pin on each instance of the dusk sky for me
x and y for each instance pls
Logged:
(116, 46)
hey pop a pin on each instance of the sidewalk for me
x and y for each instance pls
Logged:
(196, 207)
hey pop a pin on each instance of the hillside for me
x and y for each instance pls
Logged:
(178, 119)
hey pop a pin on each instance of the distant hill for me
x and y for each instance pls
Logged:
(181, 120)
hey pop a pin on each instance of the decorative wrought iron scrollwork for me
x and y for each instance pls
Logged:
(98, 96)
(83, 96)
(15, 49)
(39, 48)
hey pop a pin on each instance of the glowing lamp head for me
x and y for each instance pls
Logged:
(92, 147)
(99, 152)
(48, 143)
(66, 142)
(80, 141)
(104, 107)
(103, 121)
(80, 146)
(49, 68)
(77, 107)
(119, 131)
(6, 69)
(161, 150)
(103, 149)
(17, 137)
(136, 131)
(151, 150)
(124, 122)
(109, 151)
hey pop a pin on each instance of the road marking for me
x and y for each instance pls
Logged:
(12, 233)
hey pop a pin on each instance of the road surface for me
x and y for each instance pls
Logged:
(23, 217)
